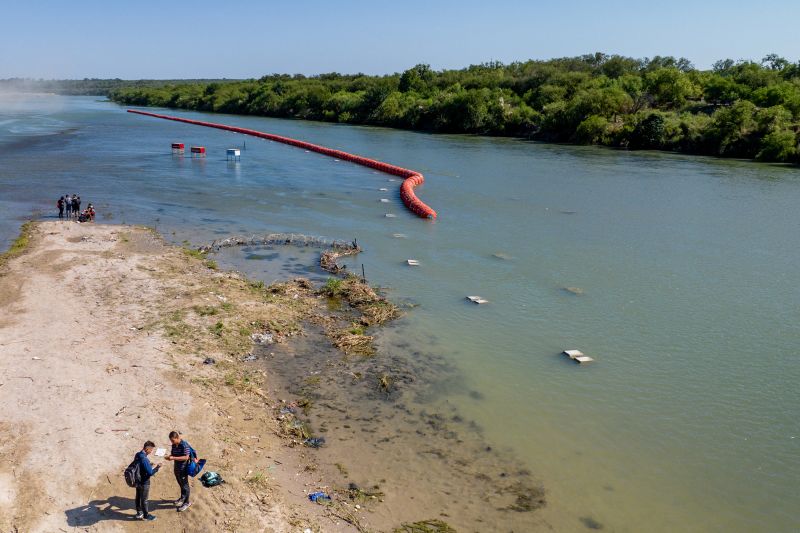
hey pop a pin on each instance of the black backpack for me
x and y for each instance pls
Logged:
(211, 479)
(133, 474)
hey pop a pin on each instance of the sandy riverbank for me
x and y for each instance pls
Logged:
(103, 333)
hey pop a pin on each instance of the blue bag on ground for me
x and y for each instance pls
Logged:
(192, 468)
(319, 497)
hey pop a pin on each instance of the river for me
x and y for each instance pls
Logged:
(683, 277)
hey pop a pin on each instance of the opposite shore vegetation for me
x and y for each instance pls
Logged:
(741, 109)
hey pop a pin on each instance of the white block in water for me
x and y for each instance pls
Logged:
(383, 189)
(577, 356)
(389, 215)
(399, 235)
(477, 300)
(384, 200)
(412, 262)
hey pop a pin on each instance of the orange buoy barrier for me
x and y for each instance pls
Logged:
(412, 178)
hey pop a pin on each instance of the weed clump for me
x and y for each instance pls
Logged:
(243, 381)
(425, 526)
(205, 310)
(191, 252)
(295, 428)
(19, 245)
(527, 498)
(332, 288)
(352, 343)
(305, 404)
(257, 480)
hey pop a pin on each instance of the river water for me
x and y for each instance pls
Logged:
(685, 269)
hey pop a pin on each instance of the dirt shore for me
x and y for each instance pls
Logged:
(103, 335)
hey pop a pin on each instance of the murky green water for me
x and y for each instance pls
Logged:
(687, 267)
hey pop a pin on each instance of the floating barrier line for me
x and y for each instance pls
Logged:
(411, 179)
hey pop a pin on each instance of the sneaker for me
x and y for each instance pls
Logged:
(139, 516)
(183, 507)
(178, 502)
(150, 517)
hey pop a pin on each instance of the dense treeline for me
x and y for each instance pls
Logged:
(738, 109)
(87, 86)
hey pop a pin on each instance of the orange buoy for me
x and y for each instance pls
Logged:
(412, 178)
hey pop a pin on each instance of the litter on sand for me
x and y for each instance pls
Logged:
(314, 442)
(262, 338)
(161, 452)
(319, 497)
(477, 300)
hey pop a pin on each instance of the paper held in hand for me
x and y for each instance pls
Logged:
(161, 452)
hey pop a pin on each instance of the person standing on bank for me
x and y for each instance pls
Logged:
(60, 205)
(181, 455)
(146, 471)
(68, 205)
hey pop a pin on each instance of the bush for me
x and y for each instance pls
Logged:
(593, 130)
(649, 134)
(779, 146)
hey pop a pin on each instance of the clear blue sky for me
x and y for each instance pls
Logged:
(242, 39)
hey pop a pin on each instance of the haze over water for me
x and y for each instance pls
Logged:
(687, 266)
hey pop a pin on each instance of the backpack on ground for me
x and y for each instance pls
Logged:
(211, 479)
(133, 474)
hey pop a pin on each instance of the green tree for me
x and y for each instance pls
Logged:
(649, 133)
(416, 78)
(780, 146)
(593, 130)
(669, 87)
(723, 90)
(732, 128)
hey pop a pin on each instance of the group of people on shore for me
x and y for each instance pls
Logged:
(69, 207)
(180, 455)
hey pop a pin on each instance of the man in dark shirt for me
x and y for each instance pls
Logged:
(146, 471)
(181, 455)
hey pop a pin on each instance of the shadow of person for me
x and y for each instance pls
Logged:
(113, 508)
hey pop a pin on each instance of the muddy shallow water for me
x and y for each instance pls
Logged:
(391, 425)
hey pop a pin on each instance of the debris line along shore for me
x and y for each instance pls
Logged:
(411, 178)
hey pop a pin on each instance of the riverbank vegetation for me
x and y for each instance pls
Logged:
(741, 109)
(87, 86)
(18, 246)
